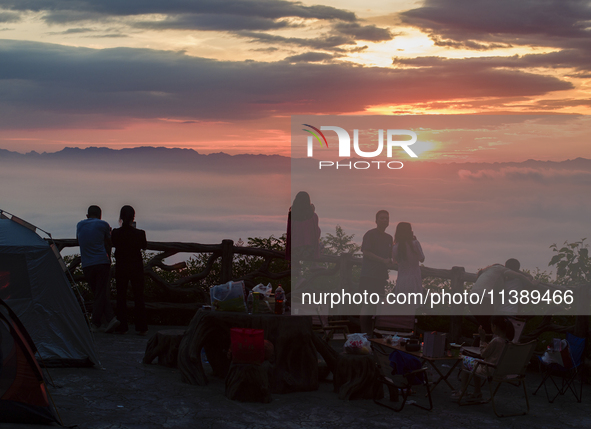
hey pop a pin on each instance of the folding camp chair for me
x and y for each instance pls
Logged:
(327, 328)
(569, 371)
(396, 383)
(509, 369)
(518, 325)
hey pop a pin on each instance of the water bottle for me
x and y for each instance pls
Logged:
(279, 298)
(249, 302)
(256, 300)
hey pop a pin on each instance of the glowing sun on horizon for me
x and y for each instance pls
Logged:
(421, 146)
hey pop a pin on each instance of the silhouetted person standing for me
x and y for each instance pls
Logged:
(408, 254)
(129, 267)
(94, 239)
(303, 232)
(377, 258)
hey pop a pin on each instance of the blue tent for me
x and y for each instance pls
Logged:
(34, 285)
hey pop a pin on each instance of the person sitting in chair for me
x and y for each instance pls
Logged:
(503, 332)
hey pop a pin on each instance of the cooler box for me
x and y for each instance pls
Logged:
(434, 344)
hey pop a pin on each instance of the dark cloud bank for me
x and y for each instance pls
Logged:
(46, 85)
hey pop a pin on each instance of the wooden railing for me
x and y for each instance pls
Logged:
(225, 250)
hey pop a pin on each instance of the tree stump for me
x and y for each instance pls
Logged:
(356, 377)
(164, 345)
(296, 361)
(249, 382)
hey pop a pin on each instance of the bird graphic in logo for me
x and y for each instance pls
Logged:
(316, 135)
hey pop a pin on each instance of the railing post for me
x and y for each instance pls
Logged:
(582, 311)
(227, 259)
(345, 277)
(345, 272)
(457, 286)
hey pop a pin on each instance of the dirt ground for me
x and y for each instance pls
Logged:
(129, 394)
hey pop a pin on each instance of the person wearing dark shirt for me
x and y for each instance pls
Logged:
(377, 257)
(129, 268)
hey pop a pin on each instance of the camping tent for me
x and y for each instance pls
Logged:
(33, 284)
(23, 397)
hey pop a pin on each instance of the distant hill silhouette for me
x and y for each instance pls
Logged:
(156, 158)
(159, 158)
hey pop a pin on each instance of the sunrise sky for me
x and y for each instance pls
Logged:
(226, 75)
(502, 81)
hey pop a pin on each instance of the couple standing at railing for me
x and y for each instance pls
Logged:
(96, 239)
(380, 251)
